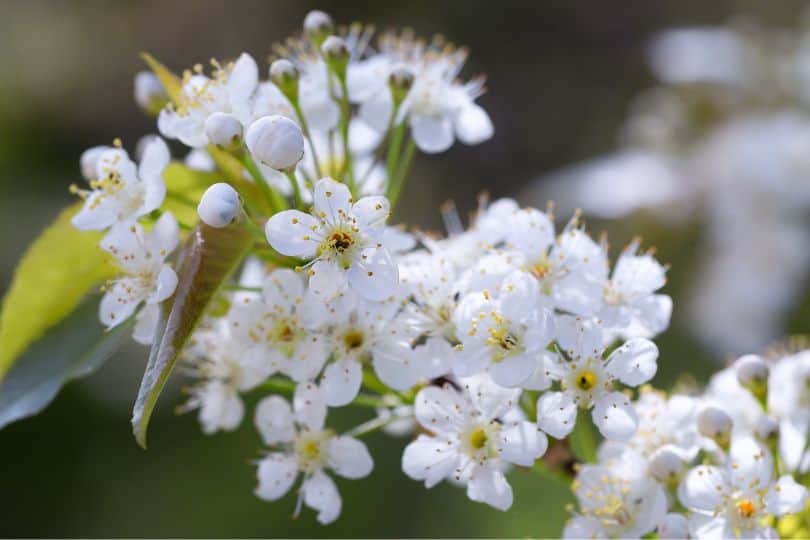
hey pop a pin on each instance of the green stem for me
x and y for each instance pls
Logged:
(276, 201)
(270, 255)
(288, 386)
(296, 190)
(305, 130)
(395, 186)
(366, 428)
(393, 153)
(583, 439)
(347, 172)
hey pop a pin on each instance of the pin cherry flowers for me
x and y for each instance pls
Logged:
(264, 264)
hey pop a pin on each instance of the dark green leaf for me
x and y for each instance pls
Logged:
(208, 258)
(75, 347)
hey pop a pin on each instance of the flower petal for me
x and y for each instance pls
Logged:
(321, 494)
(556, 414)
(310, 409)
(432, 134)
(473, 125)
(293, 233)
(349, 457)
(615, 416)
(488, 485)
(703, 488)
(522, 443)
(634, 363)
(276, 474)
(274, 420)
(429, 459)
(786, 497)
(374, 275)
(333, 201)
(440, 410)
(340, 382)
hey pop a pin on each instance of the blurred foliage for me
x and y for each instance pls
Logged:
(560, 78)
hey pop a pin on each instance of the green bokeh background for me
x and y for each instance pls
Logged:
(560, 78)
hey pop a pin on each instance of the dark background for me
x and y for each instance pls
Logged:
(560, 78)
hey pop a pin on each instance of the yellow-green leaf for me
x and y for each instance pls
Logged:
(56, 271)
(171, 82)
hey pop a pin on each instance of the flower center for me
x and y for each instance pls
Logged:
(353, 339)
(478, 439)
(586, 380)
(503, 341)
(340, 241)
(746, 508)
(308, 450)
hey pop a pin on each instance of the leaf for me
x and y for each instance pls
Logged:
(75, 347)
(54, 274)
(171, 82)
(206, 262)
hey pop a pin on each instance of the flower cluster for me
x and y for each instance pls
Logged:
(720, 464)
(723, 138)
(484, 346)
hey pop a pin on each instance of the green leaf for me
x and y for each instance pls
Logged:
(55, 273)
(206, 262)
(171, 82)
(75, 347)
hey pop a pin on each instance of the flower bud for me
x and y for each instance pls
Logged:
(224, 131)
(400, 82)
(752, 372)
(767, 429)
(219, 205)
(276, 141)
(665, 464)
(149, 92)
(715, 424)
(336, 54)
(284, 75)
(317, 26)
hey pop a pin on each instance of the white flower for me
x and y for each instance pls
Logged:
(224, 130)
(276, 141)
(666, 423)
(225, 366)
(147, 277)
(341, 238)
(470, 440)
(120, 191)
(586, 380)
(363, 331)
(730, 501)
(505, 334)
(617, 499)
(630, 304)
(279, 325)
(228, 90)
(306, 447)
(570, 268)
(438, 108)
(219, 205)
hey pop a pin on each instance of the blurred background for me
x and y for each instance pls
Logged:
(562, 82)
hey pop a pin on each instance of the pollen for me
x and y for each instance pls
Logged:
(478, 439)
(746, 508)
(586, 380)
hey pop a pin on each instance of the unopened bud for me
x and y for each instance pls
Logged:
(284, 75)
(223, 131)
(716, 424)
(752, 372)
(276, 141)
(149, 93)
(767, 429)
(400, 81)
(317, 26)
(665, 464)
(336, 54)
(219, 205)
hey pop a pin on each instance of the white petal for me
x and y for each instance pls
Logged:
(146, 324)
(673, 526)
(556, 414)
(293, 233)
(703, 488)
(786, 497)
(165, 286)
(710, 527)
(655, 312)
(340, 382)
(539, 379)
(310, 409)
(371, 212)
(440, 410)
(155, 158)
(473, 125)
(374, 275)
(579, 337)
(349, 457)
(488, 485)
(220, 409)
(522, 443)
(513, 371)
(164, 237)
(321, 494)
(242, 82)
(276, 474)
(432, 134)
(119, 303)
(583, 527)
(634, 363)
(434, 357)
(615, 416)
(333, 201)
(274, 420)
(327, 280)
(397, 366)
(308, 359)
(283, 290)
(429, 459)
(751, 461)
(376, 112)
